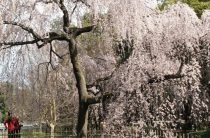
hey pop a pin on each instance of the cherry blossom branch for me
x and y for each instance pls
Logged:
(169, 76)
(165, 77)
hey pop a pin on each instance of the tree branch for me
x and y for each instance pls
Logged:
(52, 51)
(97, 99)
(51, 36)
(96, 82)
(18, 43)
(79, 31)
(165, 77)
(169, 76)
(45, 2)
(57, 54)
(82, 1)
(28, 29)
(37, 38)
(73, 11)
(66, 21)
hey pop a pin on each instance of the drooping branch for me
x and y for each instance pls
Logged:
(50, 60)
(48, 63)
(51, 49)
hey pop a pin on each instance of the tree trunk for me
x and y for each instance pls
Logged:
(82, 120)
(52, 130)
(82, 91)
(54, 118)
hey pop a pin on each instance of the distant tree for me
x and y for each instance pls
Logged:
(198, 5)
(3, 95)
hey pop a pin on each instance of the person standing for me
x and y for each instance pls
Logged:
(9, 124)
(17, 126)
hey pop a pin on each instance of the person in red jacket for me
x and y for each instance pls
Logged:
(9, 123)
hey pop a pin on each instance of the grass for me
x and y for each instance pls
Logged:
(201, 134)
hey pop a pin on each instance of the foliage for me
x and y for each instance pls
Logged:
(201, 133)
(165, 3)
(168, 43)
(93, 43)
(198, 5)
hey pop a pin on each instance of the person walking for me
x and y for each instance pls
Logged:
(9, 124)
